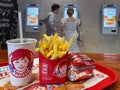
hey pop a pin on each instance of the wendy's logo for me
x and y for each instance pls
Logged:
(60, 69)
(21, 62)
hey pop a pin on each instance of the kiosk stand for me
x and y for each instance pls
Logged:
(109, 19)
(32, 18)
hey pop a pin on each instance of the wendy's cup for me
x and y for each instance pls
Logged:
(20, 57)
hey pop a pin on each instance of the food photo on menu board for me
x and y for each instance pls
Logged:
(32, 16)
(109, 17)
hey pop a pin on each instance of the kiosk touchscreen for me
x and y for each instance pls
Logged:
(109, 19)
(74, 6)
(32, 18)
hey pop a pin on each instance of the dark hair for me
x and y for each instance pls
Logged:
(55, 6)
(70, 11)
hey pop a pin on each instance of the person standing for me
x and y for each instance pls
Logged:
(70, 27)
(50, 20)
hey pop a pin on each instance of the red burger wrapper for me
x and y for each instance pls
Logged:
(52, 71)
(80, 67)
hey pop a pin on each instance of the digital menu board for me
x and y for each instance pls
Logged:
(32, 16)
(109, 17)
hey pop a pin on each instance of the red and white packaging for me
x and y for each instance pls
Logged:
(52, 71)
(20, 57)
(80, 67)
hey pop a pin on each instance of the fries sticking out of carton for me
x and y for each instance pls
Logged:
(54, 47)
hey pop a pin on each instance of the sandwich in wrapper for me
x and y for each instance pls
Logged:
(80, 67)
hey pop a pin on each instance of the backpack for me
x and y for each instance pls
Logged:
(46, 20)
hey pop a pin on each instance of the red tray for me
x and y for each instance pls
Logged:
(112, 76)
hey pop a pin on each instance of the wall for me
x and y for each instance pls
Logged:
(90, 15)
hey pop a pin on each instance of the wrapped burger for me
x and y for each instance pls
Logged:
(80, 67)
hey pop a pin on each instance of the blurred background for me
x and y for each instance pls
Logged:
(89, 12)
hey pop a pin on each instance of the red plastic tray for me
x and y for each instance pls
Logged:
(112, 76)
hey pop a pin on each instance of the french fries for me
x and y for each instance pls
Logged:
(54, 47)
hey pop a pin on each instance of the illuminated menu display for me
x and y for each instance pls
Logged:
(109, 18)
(32, 16)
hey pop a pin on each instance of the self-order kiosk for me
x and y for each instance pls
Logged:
(109, 19)
(32, 18)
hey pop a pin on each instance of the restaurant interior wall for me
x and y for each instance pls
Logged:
(91, 26)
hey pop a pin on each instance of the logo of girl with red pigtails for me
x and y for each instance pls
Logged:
(21, 62)
(61, 69)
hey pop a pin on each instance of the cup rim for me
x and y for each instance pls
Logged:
(13, 41)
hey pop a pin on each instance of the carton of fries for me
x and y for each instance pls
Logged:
(53, 56)
(53, 71)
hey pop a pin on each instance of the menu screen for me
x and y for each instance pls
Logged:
(32, 16)
(109, 17)
(75, 15)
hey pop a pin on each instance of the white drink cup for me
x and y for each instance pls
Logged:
(20, 57)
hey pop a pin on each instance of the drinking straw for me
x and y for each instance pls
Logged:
(20, 26)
